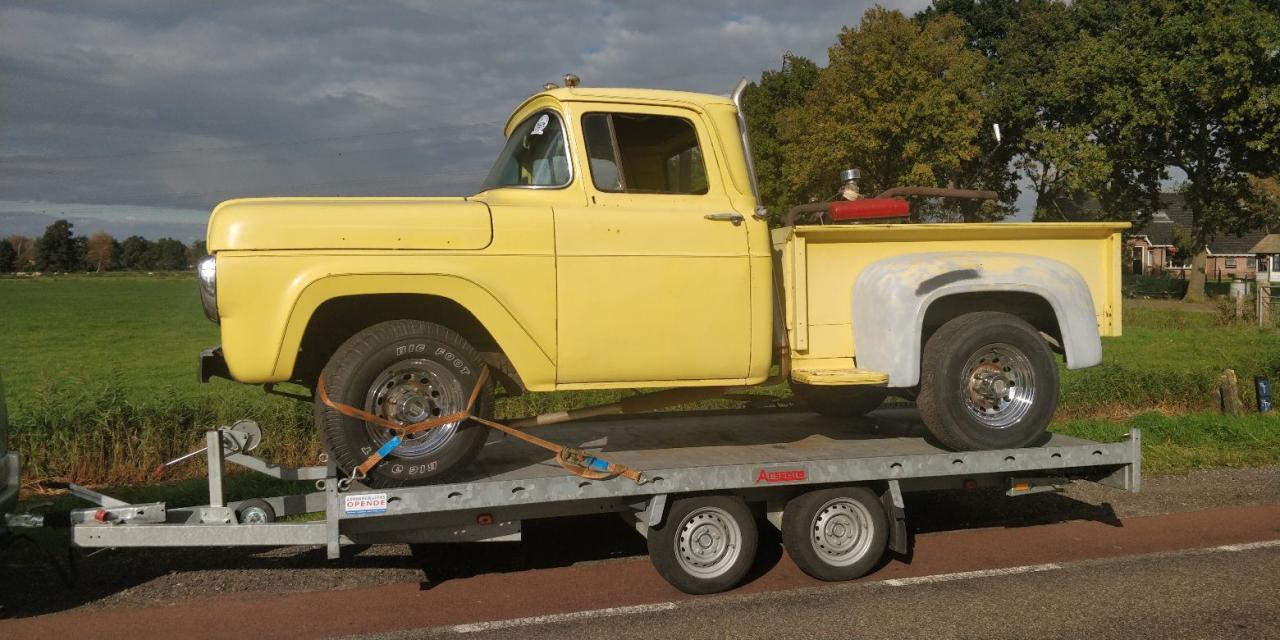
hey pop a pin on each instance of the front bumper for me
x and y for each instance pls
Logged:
(213, 365)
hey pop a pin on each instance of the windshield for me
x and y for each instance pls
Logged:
(534, 155)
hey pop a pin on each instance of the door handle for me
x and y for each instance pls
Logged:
(735, 218)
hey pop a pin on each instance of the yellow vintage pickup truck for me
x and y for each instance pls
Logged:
(618, 242)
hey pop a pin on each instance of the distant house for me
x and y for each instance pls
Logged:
(1151, 250)
(1230, 256)
(1267, 251)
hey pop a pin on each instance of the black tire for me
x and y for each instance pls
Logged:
(835, 534)
(255, 511)
(716, 568)
(838, 401)
(435, 370)
(964, 350)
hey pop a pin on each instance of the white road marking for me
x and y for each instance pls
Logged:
(970, 575)
(1248, 546)
(893, 582)
(561, 617)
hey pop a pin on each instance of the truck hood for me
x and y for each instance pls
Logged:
(349, 223)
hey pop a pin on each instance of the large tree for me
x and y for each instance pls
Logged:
(8, 257)
(900, 100)
(171, 255)
(1020, 40)
(58, 249)
(1189, 85)
(26, 252)
(102, 252)
(776, 92)
(137, 254)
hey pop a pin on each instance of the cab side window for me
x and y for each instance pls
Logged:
(643, 154)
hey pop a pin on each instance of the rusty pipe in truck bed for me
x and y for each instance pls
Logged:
(795, 212)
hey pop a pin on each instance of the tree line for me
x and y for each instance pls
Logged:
(1097, 100)
(58, 249)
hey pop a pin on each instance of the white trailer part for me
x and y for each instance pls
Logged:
(834, 488)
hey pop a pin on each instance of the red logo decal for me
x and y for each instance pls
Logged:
(781, 475)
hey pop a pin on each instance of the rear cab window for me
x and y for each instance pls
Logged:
(639, 153)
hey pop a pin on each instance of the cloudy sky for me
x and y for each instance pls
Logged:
(138, 116)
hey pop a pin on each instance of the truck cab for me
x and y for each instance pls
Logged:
(654, 235)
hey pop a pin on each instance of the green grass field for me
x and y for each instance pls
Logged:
(101, 371)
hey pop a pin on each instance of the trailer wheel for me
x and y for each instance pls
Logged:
(838, 401)
(835, 534)
(987, 381)
(407, 371)
(705, 544)
(255, 511)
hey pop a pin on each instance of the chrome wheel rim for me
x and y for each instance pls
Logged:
(841, 531)
(709, 542)
(998, 385)
(412, 391)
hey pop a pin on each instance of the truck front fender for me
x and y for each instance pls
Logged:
(892, 296)
(535, 366)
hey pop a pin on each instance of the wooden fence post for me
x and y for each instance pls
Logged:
(1227, 393)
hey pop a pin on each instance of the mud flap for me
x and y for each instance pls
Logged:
(899, 540)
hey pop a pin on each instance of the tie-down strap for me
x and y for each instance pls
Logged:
(575, 461)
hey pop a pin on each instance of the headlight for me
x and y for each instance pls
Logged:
(207, 275)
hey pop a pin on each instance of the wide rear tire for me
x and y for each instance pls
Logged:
(407, 371)
(987, 381)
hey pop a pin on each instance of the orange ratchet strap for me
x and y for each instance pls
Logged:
(575, 461)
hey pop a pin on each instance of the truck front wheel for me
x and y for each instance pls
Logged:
(987, 381)
(407, 371)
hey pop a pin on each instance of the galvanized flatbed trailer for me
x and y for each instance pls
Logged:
(834, 488)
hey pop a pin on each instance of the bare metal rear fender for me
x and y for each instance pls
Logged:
(891, 297)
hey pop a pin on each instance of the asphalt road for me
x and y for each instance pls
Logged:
(1200, 594)
(1092, 574)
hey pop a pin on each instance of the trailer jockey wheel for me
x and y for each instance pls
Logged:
(705, 544)
(255, 512)
(835, 534)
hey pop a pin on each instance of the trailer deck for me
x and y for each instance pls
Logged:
(763, 456)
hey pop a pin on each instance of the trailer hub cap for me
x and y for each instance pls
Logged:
(841, 531)
(998, 385)
(412, 391)
(709, 542)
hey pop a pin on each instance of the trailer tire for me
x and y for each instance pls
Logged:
(987, 381)
(835, 534)
(705, 544)
(838, 401)
(408, 371)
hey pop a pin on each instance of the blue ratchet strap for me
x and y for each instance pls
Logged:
(378, 455)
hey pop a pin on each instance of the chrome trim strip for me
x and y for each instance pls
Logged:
(760, 211)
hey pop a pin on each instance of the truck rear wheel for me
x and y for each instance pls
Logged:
(838, 401)
(835, 534)
(407, 371)
(987, 381)
(705, 544)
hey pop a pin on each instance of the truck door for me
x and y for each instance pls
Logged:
(653, 275)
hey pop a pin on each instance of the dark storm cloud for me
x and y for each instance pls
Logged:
(177, 105)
